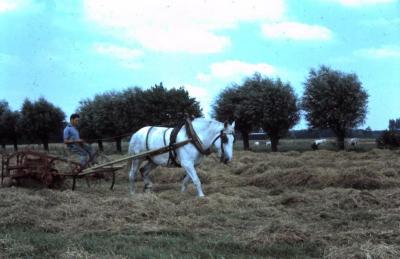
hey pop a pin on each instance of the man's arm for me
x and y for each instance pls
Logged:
(70, 141)
(67, 139)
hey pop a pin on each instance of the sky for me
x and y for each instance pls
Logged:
(67, 51)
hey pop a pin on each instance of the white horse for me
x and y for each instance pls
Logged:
(209, 133)
(320, 141)
(353, 141)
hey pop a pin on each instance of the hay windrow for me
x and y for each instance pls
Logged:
(321, 204)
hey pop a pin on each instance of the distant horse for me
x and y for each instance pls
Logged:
(318, 142)
(353, 141)
(204, 133)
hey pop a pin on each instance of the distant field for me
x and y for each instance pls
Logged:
(312, 204)
(285, 145)
(302, 145)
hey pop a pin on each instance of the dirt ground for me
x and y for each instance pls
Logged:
(314, 204)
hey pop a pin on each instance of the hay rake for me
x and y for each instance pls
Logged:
(41, 169)
(52, 171)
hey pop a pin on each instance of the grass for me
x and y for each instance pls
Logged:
(25, 241)
(285, 145)
(309, 204)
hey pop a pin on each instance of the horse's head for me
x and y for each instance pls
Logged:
(224, 142)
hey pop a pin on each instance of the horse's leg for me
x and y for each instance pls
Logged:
(191, 171)
(132, 173)
(145, 171)
(185, 183)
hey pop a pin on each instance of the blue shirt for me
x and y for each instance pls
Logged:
(71, 133)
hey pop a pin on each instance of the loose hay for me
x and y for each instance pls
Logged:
(312, 204)
(364, 251)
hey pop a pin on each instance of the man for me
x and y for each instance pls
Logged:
(74, 143)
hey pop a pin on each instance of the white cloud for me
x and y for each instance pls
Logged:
(360, 3)
(202, 95)
(117, 51)
(180, 25)
(11, 5)
(203, 77)
(221, 73)
(235, 69)
(296, 31)
(387, 51)
(126, 56)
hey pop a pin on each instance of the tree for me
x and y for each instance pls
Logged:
(3, 107)
(278, 107)
(368, 132)
(234, 104)
(115, 114)
(132, 112)
(41, 119)
(394, 124)
(167, 107)
(334, 100)
(9, 126)
(87, 124)
(109, 116)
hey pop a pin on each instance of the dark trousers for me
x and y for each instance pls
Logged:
(84, 151)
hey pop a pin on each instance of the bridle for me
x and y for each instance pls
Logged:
(224, 139)
(199, 146)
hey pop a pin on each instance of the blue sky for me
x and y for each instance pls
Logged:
(67, 51)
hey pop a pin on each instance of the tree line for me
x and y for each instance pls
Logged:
(332, 100)
(112, 115)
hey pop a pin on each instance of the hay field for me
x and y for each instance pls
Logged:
(321, 204)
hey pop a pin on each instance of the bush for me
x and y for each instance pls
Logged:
(389, 139)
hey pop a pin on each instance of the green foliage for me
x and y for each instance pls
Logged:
(160, 106)
(231, 106)
(87, 113)
(334, 100)
(10, 126)
(235, 103)
(3, 108)
(389, 139)
(259, 103)
(41, 119)
(132, 109)
(113, 113)
(394, 124)
(276, 104)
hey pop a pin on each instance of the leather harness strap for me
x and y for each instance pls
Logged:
(196, 140)
(147, 138)
(193, 137)
(164, 137)
(172, 152)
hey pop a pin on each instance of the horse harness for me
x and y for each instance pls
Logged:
(194, 139)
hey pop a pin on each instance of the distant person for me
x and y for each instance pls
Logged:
(74, 143)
